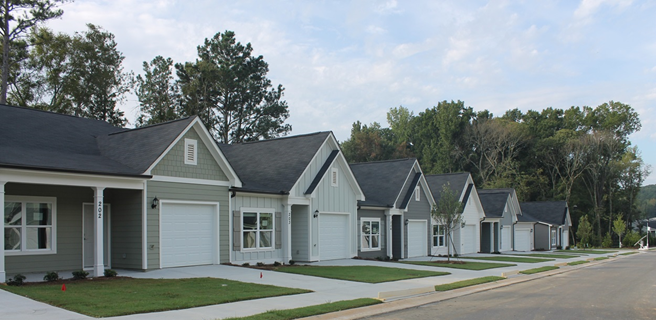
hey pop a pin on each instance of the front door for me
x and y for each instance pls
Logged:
(88, 235)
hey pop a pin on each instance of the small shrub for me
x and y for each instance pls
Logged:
(276, 264)
(291, 262)
(109, 273)
(245, 264)
(260, 264)
(559, 247)
(607, 242)
(387, 258)
(567, 248)
(630, 239)
(80, 275)
(51, 276)
(17, 280)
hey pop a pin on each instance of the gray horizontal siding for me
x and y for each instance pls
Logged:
(186, 192)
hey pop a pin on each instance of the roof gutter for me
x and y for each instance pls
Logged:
(235, 190)
(124, 175)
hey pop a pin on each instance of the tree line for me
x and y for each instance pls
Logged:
(82, 74)
(581, 154)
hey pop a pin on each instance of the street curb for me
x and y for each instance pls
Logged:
(429, 298)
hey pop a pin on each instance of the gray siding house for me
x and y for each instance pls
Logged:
(82, 194)
(466, 239)
(501, 212)
(298, 200)
(555, 222)
(395, 219)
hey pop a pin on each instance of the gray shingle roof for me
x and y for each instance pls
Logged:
(494, 201)
(551, 212)
(456, 181)
(49, 141)
(273, 166)
(382, 181)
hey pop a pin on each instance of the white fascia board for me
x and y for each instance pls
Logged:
(386, 209)
(396, 212)
(398, 196)
(427, 192)
(257, 194)
(211, 146)
(71, 179)
(298, 201)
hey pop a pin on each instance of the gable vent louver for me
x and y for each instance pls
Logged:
(190, 152)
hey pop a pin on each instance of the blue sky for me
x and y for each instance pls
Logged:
(343, 61)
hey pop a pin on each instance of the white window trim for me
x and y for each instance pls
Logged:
(334, 177)
(417, 193)
(187, 143)
(26, 252)
(362, 221)
(257, 232)
(443, 235)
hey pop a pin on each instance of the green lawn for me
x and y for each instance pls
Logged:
(512, 259)
(122, 296)
(311, 310)
(552, 255)
(601, 258)
(468, 265)
(537, 270)
(574, 263)
(466, 283)
(369, 274)
(594, 251)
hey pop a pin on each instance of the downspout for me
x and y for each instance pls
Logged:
(513, 234)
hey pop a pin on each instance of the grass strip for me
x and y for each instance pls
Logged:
(466, 283)
(595, 251)
(553, 255)
(601, 258)
(538, 270)
(122, 296)
(311, 310)
(512, 259)
(368, 274)
(467, 265)
(627, 253)
(575, 263)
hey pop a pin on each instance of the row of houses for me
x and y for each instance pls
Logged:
(81, 194)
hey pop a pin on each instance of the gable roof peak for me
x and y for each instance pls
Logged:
(191, 118)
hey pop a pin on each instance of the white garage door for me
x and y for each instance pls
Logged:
(417, 239)
(505, 239)
(468, 239)
(334, 236)
(188, 234)
(523, 240)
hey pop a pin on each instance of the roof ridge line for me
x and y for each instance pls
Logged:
(150, 126)
(379, 161)
(278, 138)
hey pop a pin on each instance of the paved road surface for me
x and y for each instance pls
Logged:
(621, 289)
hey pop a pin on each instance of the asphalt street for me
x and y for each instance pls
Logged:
(621, 289)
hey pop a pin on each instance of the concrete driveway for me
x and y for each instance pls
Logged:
(325, 290)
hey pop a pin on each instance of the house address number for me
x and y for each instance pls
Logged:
(100, 209)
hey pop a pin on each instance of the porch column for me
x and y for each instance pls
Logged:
(3, 274)
(287, 232)
(388, 218)
(98, 241)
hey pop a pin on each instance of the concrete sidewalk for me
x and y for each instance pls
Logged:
(325, 290)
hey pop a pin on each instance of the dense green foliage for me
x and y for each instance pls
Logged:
(581, 154)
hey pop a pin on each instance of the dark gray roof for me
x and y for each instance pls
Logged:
(382, 181)
(456, 181)
(273, 166)
(525, 217)
(35, 139)
(551, 212)
(494, 201)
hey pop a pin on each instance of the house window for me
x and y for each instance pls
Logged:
(257, 230)
(29, 225)
(553, 237)
(370, 234)
(438, 236)
(334, 177)
(191, 152)
(417, 193)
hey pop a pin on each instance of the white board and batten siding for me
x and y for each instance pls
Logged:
(472, 215)
(329, 199)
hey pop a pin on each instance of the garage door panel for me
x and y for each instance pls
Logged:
(187, 234)
(334, 237)
(417, 239)
(468, 239)
(505, 239)
(523, 240)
